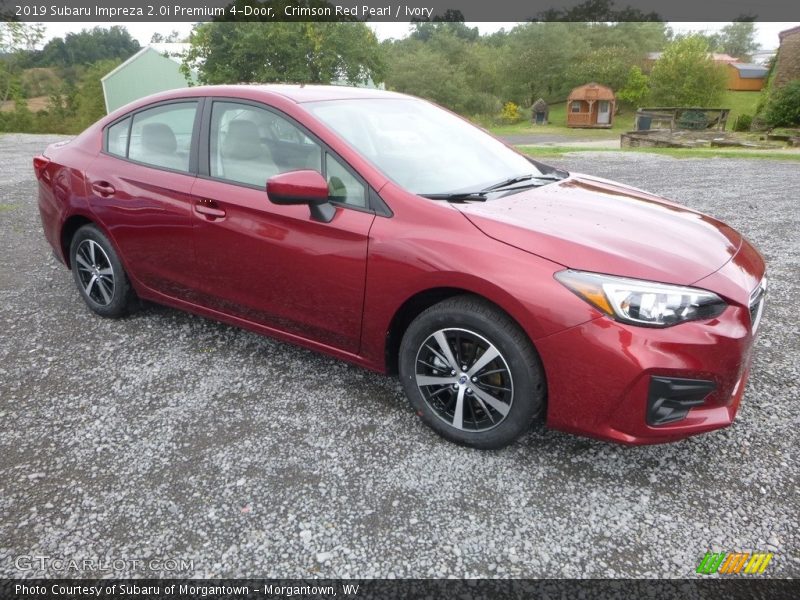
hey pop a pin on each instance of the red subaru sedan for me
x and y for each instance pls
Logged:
(388, 232)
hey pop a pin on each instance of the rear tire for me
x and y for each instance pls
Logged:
(471, 373)
(98, 273)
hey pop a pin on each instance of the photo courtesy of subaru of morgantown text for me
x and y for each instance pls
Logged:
(388, 232)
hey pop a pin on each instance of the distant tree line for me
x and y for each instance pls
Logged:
(85, 48)
(67, 71)
(472, 74)
(481, 76)
(451, 63)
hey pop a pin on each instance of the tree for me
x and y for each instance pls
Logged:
(10, 84)
(461, 75)
(452, 21)
(91, 100)
(172, 37)
(89, 46)
(738, 39)
(686, 75)
(16, 36)
(636, 89)
(539, 54)
(310, 52)
(637, 38)
(597, 11)
(17, 41)
(608, 65)
(445, 84)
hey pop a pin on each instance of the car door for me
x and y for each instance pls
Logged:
(139, 187)
(270, 264)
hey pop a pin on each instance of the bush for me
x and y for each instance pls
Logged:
(743, 123)
(510, 113)
(483, 120)
(783, 106)
(686, 75)
(636, 89)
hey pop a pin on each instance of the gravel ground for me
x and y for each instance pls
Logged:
(165, 435)
(534, 139)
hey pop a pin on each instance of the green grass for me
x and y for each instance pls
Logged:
(560, 151)
(738, 102)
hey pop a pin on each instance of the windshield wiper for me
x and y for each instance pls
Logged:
(458, 197)
(507, 182)
(505, 185)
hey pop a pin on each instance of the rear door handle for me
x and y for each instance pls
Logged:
(210, 209)
(103, 188)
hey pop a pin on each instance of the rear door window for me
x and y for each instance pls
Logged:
(161, 136)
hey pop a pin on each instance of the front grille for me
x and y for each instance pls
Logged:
(757, 304)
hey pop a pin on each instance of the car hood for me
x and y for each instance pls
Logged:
(593, 224)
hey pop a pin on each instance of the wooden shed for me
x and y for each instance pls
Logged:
(746, 77)
(591, 105)
(540, 112)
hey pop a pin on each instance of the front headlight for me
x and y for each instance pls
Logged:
(641, 302)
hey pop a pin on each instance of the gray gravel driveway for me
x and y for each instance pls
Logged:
(169, 436)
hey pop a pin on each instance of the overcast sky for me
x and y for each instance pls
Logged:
(767, 32)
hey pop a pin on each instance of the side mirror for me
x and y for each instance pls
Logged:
(302, 187)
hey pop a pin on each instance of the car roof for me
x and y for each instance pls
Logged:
(296, 93)
(275, 93)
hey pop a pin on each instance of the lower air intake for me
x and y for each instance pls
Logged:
(671, 398)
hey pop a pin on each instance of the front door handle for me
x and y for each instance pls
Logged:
(210, 209)
(103, 188)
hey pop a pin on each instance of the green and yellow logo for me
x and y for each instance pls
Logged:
(731, 563)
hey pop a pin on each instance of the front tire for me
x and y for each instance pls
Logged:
(98, 273)
(471, 373)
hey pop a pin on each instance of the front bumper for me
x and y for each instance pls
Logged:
(602, 376)
(601, 385)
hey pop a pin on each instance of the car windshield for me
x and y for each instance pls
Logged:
(421, 147)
